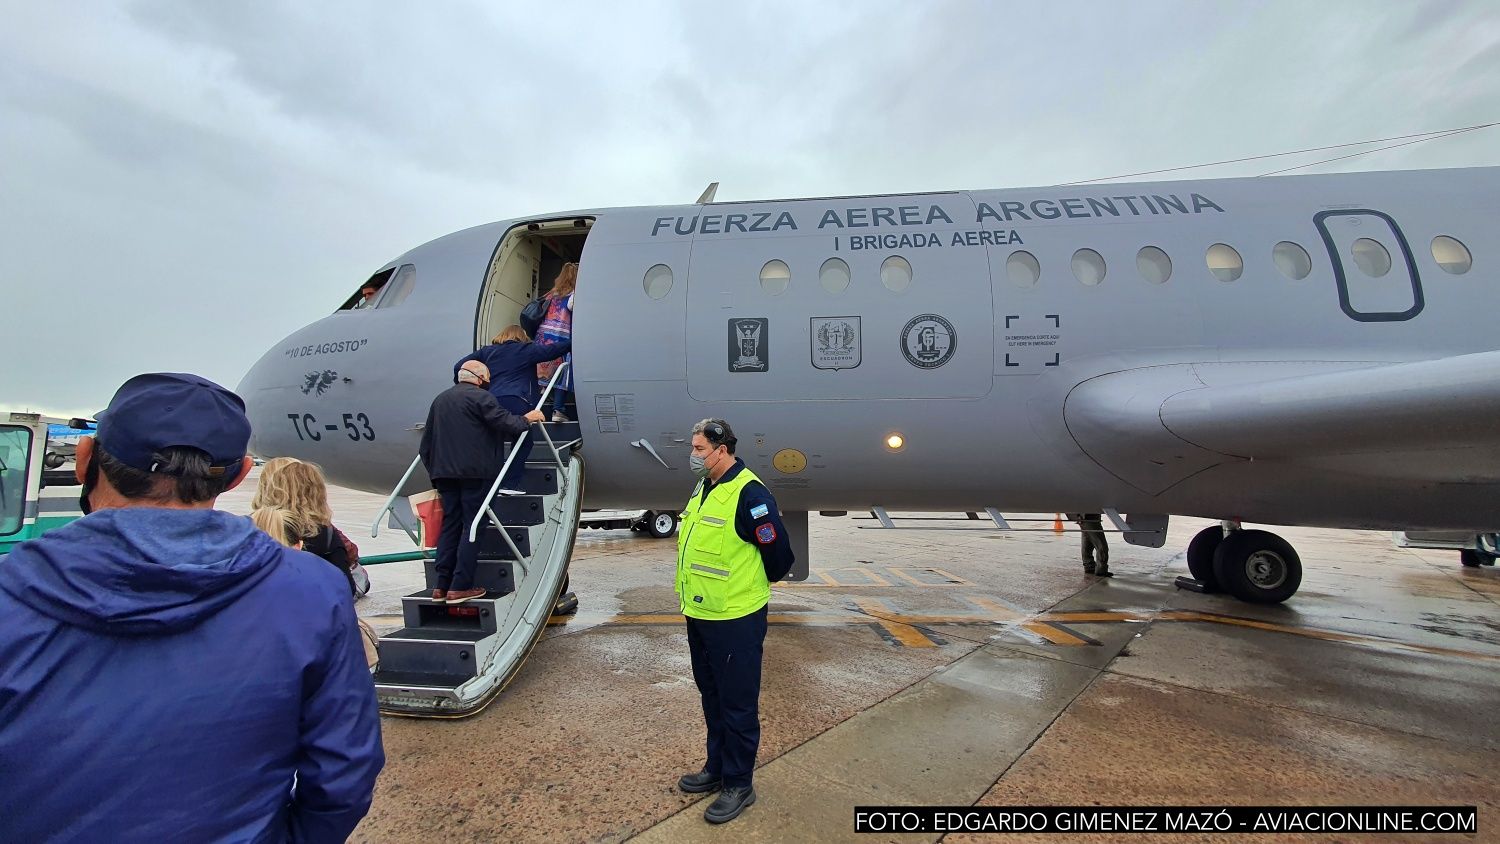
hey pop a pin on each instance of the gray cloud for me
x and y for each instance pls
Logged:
(186, 183)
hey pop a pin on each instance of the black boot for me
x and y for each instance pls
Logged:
(566, 605)
(699, 783)
(729, 804)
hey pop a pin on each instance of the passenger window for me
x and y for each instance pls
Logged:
(658, 281)
(834, 275)
(775, 277)
(1154, 265)
(1088, 266)
(1451, 255)
(1224, 262)
(1371, 257)
(1023, 269)
(15, 456)
(895, 273)
(398, 288)
(1291, 260)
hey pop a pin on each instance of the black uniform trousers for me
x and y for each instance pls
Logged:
(457, 557)
(726, 665)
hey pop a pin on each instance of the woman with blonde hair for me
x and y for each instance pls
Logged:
(282, 525)
(512, 359)
(557, 327)
(298, 487)
(279, 524)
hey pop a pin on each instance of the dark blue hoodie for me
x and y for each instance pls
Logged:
(168, 675)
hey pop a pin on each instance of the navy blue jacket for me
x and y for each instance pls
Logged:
(169, 675)
(758, 522)
(513, 366)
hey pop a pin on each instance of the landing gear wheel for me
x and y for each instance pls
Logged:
(1257, 566)
(1200, 557)
(1472, 559)
(661, 525)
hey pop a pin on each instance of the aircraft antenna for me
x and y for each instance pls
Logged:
(1420, 137)
(708, 194)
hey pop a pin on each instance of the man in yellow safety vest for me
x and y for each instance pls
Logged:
(731, 545)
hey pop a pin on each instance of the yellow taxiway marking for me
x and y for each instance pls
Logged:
(903, 633)
(1054, 634)
(872, 577)
(903, 627)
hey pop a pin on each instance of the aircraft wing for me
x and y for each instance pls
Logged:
(1433, 420)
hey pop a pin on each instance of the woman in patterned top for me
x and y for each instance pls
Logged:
(557, 327)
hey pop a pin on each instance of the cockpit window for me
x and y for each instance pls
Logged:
(398, 288)
(364, 298)
(385, 289)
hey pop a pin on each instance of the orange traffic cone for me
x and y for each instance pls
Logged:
(1057, 526)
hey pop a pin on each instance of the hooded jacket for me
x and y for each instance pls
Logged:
(177, 675)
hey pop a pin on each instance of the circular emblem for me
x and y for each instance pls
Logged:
(789, 461)
(928, 341)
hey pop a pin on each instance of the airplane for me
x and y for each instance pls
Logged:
(1304, 350)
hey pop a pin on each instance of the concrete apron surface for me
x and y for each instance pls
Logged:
(968, 667)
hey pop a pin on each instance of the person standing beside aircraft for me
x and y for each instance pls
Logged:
(1091, 526)
(731, 546)
(463, 448)
(125, 630)
(557, 327)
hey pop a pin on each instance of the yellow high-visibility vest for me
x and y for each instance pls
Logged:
(719, 575)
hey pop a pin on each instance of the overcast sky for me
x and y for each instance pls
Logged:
(183, 184)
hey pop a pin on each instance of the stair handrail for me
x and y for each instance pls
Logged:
(489, 498)
(390, 506)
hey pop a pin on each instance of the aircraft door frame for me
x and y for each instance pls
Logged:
(1334, 240)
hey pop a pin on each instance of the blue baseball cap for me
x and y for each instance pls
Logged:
(156, 411)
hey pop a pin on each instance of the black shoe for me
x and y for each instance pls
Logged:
(729, 804)
(700, 782)
(566, 605)
(1088, 568)
(1103, 571)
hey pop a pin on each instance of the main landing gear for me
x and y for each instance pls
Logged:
(1253, 565)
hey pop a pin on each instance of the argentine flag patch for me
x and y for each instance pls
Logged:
(759, 511)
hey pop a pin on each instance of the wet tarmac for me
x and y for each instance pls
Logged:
(969, 667)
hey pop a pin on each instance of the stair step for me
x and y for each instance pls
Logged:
(420, 612)
(430, 635)
(428, 656)
(562, 431)
(396, 680)
(520, 510)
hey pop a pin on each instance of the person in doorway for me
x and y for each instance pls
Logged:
(557, 327)
(167, 671)
(1095, 546)
(463, 448)
(731, 546)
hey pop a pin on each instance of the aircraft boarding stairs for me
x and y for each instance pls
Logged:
(452, 660)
